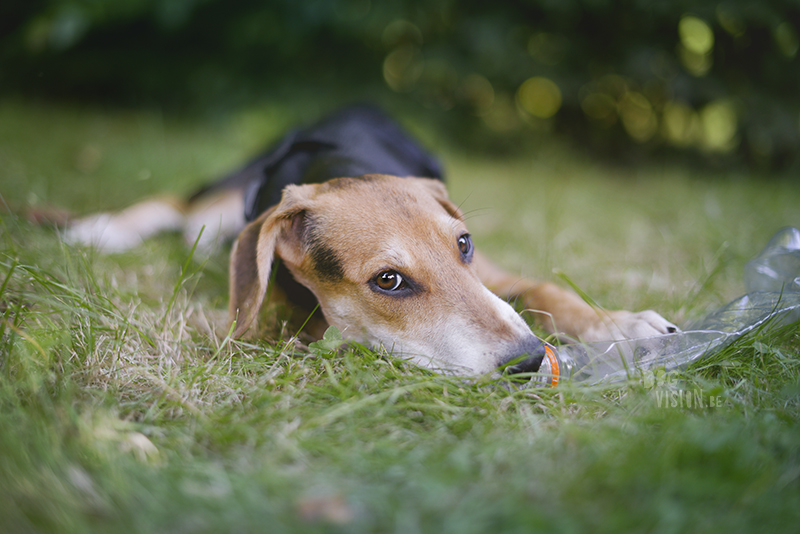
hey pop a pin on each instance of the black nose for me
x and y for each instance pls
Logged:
(527, 358)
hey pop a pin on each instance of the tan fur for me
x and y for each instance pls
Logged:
(336, 238)
(410, 226)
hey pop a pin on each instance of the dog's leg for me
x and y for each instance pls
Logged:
(563, 312)
(123, 230)
(219, 214)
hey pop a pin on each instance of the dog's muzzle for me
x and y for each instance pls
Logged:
(527, 359)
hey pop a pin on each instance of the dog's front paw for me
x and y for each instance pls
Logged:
(616, 325)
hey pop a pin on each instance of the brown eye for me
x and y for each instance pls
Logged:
(465, 245)
(389, 281)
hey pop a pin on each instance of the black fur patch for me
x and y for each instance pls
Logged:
(326, 262)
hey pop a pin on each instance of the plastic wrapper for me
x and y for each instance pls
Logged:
(772, 282)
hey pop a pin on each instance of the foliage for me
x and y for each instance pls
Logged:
(716, 78)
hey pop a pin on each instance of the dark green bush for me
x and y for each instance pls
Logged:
(720, 79)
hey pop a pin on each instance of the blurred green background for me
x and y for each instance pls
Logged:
(715, 82)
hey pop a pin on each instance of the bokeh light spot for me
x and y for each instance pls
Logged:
(402, 68)
(720, 124)
(638, 117)
(697, 64)
(680, 124)
(540, 97)
(477, 91)
(696, 46)
(600, 106)
(401, 32)
(730, 22)
(696, 36)
(502, 115)
(786, 39)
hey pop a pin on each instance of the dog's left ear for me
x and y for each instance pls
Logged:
(438, 191)
(279, 228)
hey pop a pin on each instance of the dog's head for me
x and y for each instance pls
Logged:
(391, 263)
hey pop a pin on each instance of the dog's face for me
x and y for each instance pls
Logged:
(390, 262)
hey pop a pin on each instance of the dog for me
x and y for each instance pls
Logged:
(352, 215)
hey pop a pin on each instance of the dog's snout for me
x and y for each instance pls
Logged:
(527, 359)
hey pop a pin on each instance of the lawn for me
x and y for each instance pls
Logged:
(124, 407)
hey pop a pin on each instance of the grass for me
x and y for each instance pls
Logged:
(124, 407)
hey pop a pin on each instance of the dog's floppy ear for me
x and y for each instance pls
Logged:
(438, 191)
(255, 249)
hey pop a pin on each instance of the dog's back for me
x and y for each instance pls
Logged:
(354, 141)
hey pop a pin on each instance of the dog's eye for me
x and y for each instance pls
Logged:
(465, 245)
(389, 281)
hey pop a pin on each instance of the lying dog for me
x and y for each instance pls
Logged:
(358, 215)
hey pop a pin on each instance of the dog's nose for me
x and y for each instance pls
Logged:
(527, 359)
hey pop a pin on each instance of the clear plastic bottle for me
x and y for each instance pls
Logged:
(772, 281)
(777, 267)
